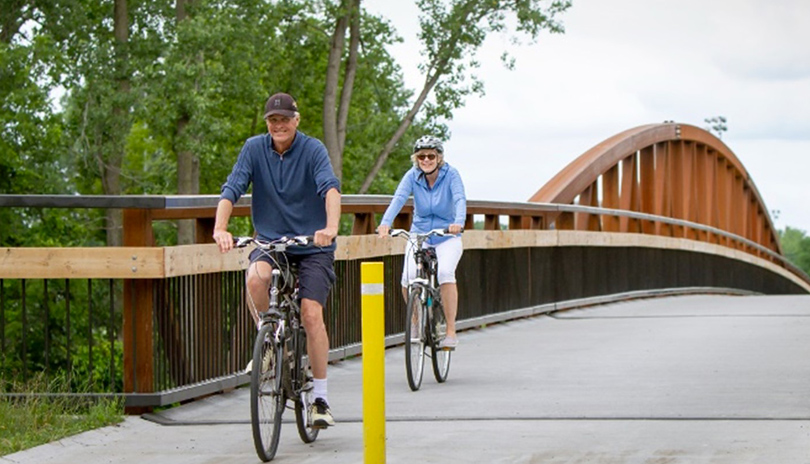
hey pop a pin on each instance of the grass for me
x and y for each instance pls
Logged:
(26, 422)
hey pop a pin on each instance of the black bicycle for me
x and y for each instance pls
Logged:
(425, 323)
(280, 368)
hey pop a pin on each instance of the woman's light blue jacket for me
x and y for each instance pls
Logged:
(437, 207)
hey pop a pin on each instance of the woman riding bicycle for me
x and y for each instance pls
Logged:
(438, 202)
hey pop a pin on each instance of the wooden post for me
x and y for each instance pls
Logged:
(138, 312)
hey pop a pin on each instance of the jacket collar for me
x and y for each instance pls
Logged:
(422, 179)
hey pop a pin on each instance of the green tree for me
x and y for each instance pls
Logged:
(451, 34)
(33, 139)
(717, 125)
(796, 247)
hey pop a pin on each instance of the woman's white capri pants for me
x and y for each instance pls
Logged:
(448, 253)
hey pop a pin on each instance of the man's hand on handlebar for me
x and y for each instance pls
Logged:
(325, 237)
(455, 229)
(383, 231)
(224, 240)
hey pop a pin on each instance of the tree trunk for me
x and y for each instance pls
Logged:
(403, 126)
(185, 181)
(330, 129)
(348, 78)
(111, 172)
(438, 68)
(187, 163)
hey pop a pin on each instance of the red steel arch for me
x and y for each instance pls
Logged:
(672, 170)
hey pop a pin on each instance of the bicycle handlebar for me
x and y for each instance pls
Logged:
(275, 245)
(407, 234)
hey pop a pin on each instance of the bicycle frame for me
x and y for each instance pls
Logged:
(425, 279)
(285, 311)
(426, 266)
(280, 353)
(425, 310)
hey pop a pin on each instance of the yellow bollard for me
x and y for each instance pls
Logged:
(373, 320)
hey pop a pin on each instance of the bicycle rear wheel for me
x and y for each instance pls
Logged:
(440, 357)
(415, 339)
(267, 399)
(307, 433)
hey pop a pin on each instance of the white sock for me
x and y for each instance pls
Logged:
(319, 389)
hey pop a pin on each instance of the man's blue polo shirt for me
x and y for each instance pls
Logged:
(289, 190)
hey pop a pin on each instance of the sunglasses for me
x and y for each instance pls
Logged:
(429, 156)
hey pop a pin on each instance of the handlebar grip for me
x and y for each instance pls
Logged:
(241, 242)
(304, 239)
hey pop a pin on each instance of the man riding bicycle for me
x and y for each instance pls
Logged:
(438, 202)
(295, 192)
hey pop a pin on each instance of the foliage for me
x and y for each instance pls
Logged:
(796, 247)
(716, 125)
(451, 33)
(86, 110)
(35, 420)
(51, 327)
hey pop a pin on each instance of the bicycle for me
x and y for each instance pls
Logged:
(281, 337)
(425, 324)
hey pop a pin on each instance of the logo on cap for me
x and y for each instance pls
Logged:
(280, 103)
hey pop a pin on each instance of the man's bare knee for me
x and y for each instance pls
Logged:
(312, 315)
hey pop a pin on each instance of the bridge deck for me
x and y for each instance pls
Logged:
(697, 379)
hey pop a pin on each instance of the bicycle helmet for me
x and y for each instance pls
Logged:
(428, 141)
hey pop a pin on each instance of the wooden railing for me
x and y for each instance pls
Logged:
(185, 332)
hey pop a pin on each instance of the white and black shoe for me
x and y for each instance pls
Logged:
(320, 414)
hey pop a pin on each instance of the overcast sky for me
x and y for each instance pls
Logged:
(626, 63)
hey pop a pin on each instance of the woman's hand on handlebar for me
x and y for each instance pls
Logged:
(383, 231)
(455, 229)
(224, 240)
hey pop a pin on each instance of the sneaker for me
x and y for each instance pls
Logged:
(249, 367)
(449, 343)
(320, 414)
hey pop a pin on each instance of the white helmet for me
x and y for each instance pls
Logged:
(428, 141)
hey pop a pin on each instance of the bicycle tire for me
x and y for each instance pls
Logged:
(267, 399)
(414, 342)
(307, 433)
(440, 357)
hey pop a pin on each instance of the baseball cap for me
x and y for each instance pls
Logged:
(282, 104)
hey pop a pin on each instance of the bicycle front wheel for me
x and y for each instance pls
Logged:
(415, 339)
(439, 356)
(266, 393)
(307, 433)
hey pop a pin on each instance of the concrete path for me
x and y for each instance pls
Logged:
(693, 379)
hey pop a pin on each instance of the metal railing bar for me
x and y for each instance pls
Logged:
(24, 354)
(111, 334)
(2, 324)
(90, 328)
(47, 325)
(67, 328)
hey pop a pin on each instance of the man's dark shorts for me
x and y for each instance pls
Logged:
(316, 273)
